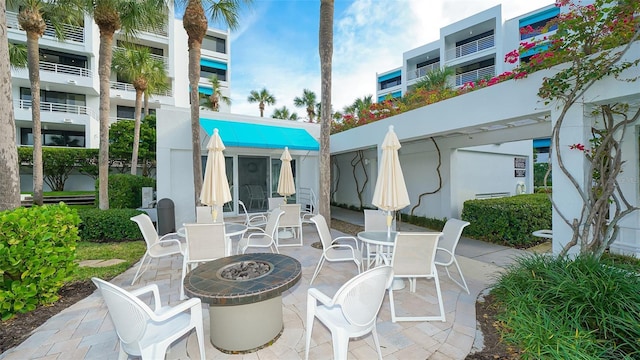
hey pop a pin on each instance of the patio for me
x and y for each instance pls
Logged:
(85, 331)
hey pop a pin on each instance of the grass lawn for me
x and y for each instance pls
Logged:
(129, 251)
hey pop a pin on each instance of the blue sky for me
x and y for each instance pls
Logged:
(276, 45)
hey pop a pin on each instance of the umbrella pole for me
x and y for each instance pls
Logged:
(214, 213)
(389, 222)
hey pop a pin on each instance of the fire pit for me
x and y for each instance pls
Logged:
(244, 293)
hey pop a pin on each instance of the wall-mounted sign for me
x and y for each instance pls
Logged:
(520, 163)
(520, 173)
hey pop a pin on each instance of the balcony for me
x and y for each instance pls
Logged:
(422, 71)
(115, 85)
(158, 57)
(71, 32)
(474, 75)
(471, 47)
(56, 107)
(65, 69)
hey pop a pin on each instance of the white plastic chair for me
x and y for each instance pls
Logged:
(275, 202)
(204, 215)
(290, 221)
(147, 332)
(157, 246)
(253, 220)
(352, 312)
(205, 242)
(333, 251)
(413, 257)
(262, 238)
(376, 220)
(446, 252)
(256, 193)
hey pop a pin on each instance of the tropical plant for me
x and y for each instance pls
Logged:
(262, 97)
(128, 17)
(195, 24)
(136, 65)
(437, 79)
(121, 139)
(326, 54)
(18, 55)
(284, 113)
(361, 107)
(9, 176)
(308, 99)
(157, 84)
(591, 42)
(212, 102)
(34, 17)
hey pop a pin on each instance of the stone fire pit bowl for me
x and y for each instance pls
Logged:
(245, 314)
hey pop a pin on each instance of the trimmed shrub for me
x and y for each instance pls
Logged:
(37, 253)
(430, 223)
(111, 225)
(125, 190)
(508, 221)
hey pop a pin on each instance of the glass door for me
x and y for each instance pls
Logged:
(253, 182)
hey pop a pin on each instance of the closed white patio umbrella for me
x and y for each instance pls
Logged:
(286, 184)
(391, 192)
(215, 188)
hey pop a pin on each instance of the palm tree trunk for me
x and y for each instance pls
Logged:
(104, 73)
(9, 176)
(33, 61)
(146, 103)
(194, 78)
(261, 106)
(136, 133)
(326, 54)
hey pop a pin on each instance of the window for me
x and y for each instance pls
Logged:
(214, 43)
(395, 81)
(207, 72)
(54, 137)
(63, 59)
(129, 112)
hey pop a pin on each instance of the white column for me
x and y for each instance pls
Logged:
(575, 130)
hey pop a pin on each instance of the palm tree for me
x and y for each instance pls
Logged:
(326, 54)
(9, 176)
(195, 24)
(17, 56)
(136, 65)
(158, 84)
(437, 79)
(128, 16)
(262, 97)
(34, 17)
(284, 113)
(212, 102)
(308, 101)
(360, 106)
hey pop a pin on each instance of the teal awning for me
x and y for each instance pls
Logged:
(240, 134)
(389, 76)
(205, 90)
(213, 64)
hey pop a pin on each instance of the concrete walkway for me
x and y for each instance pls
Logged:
(85, 331)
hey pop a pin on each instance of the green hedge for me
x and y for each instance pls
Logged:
(37, 253)
(508, 221)
(111, 225)
(125, 190)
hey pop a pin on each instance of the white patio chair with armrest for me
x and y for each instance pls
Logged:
(263, 238)
(204, 215)
(157, 246)
(291, 221)
(413, 257)
(253, 220)
(205, 242)
(147, 332)
(333, 251)
(446, 252)
(376, 220)
(352, 312)
(275, 202)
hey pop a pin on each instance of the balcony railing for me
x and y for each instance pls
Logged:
(472, 47)
(158, 57)
(422, 71)
(56, 107)
(128, 87)
(65, 69)
(486, 72)
(71, 32)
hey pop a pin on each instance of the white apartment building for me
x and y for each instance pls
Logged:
(70, 84)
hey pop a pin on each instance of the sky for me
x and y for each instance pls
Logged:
(276, 44)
